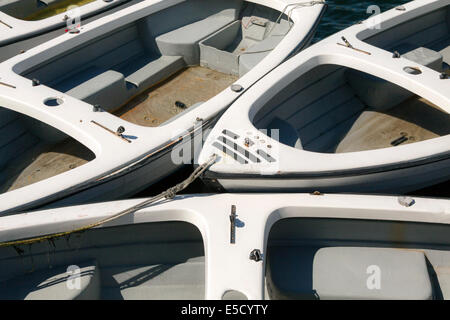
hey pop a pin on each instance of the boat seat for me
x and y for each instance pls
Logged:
(256, 53)
(156, 71)
(287, 134)
(380, 94)
(181, 281)
(446, 55)
(425, 57)
(261, 49)
(106, 89)
(344, 272)
(54, 284)
(347, 273)
(184, 41)
(109, 88)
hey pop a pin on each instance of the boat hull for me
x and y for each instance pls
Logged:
(122, 184)
(10, 50)
(396, 181)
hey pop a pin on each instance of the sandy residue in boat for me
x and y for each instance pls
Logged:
(416, 119)
(159, 103)
(45, 161)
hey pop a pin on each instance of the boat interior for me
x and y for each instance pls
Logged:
(32, 151)
(163, 260)
(33, 10)
(307, 258)
(430, 31)
(334, 109)
(167, 63)
(318, 258)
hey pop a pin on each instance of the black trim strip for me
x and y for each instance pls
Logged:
(332, 174)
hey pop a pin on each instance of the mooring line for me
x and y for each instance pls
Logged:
(168, 194)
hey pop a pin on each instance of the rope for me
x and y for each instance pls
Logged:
(168, 194)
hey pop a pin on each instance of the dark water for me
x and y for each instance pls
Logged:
(340, 15)
(344, 13)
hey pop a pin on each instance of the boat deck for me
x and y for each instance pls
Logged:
(416, 119)
(189, 86)
(44, 161)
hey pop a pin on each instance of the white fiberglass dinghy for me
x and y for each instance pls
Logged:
(26, 23)
(365, 110)
(255, 246)
(95, 115)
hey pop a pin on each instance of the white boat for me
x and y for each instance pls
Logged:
(364, 110)
(95, 115)
(274, 246)
(26, 23)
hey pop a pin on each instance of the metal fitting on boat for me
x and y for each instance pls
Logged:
(237, 88)
(396, 55)
(233, 224)
(406, 201)
(96, 108)
(234, 295)
(35, 82)
(120, 130)
(256, 255)
(443, 76)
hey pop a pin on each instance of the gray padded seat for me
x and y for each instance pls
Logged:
(380, 94)
(287, 134)
(155, 71)
(341, 273)
(106, 89)
(52, 284)
(184, 41)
